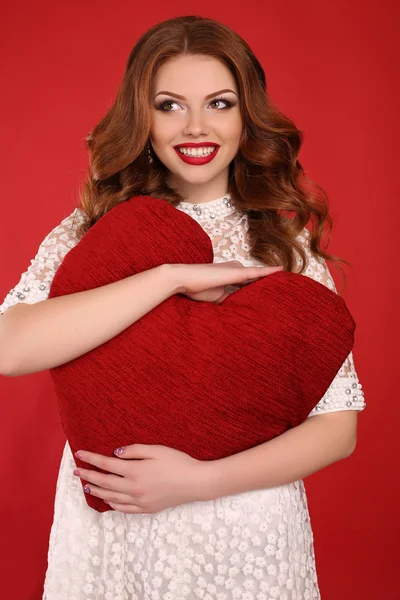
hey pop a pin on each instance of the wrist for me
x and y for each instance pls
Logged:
(172, 274)
(208, 476)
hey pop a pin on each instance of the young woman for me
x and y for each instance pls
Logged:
(192, 124)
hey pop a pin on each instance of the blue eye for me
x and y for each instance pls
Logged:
(215, 100)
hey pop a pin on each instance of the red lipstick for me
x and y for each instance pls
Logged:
(197, 160)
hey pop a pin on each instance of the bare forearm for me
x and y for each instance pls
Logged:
(297, 453)
(36, 337)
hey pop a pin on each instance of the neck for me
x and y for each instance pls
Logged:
(199, 193)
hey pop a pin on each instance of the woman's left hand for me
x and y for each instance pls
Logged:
(165, 477)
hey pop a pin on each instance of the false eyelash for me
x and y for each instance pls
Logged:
(227, 102)
(219, 98)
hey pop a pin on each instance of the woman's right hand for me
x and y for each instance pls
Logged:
(207, 282)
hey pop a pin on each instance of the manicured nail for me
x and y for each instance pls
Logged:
(119, 451)
(86, 489)
(79, 455)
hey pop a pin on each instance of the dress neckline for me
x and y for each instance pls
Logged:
(206, 211)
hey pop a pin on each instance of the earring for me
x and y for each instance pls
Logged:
(150, 158)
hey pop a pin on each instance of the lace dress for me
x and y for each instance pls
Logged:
(256, 545)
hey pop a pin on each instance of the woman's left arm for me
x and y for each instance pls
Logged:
(318, 442)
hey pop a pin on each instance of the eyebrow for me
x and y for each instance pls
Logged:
(183, 97)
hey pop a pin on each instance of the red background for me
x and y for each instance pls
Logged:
(331, 68)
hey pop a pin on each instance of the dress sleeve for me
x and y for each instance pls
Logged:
(34, 284)
(345, 391)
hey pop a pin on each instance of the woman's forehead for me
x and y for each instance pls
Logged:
(194, 76)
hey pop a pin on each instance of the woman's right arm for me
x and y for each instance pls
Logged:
(36, 337)
(40, 333)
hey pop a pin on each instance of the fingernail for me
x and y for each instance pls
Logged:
(79, 455)
(86, 489)
(119, 451)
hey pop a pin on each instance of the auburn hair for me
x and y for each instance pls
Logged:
(266, 180)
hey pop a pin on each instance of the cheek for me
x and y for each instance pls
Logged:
(233, 141)
(232, 130)
(163, 129)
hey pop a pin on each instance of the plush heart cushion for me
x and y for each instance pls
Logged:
(204, 378)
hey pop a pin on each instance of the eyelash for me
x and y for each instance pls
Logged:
(219, 99)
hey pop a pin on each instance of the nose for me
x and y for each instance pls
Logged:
(196, 123)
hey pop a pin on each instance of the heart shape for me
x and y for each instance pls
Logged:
(204, 378)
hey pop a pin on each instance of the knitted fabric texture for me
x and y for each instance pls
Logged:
(208, 379)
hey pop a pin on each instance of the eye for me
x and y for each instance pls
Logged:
(227, 102)
(162, 106)
(166, 103)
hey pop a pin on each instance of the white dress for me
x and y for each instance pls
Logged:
(256, 545)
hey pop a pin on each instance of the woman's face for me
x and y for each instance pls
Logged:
(194, 117)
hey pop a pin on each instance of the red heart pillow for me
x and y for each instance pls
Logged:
(204, 378)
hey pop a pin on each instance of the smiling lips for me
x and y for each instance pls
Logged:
(197, 160)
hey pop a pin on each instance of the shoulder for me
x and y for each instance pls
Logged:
(35, 281)
(316, 267)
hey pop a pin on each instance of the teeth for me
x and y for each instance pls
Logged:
(197, 151)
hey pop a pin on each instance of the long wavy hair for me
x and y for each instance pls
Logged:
(266, 180)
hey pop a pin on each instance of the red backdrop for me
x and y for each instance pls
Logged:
(330, 67)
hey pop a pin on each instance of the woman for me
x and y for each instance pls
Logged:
(240, 527)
